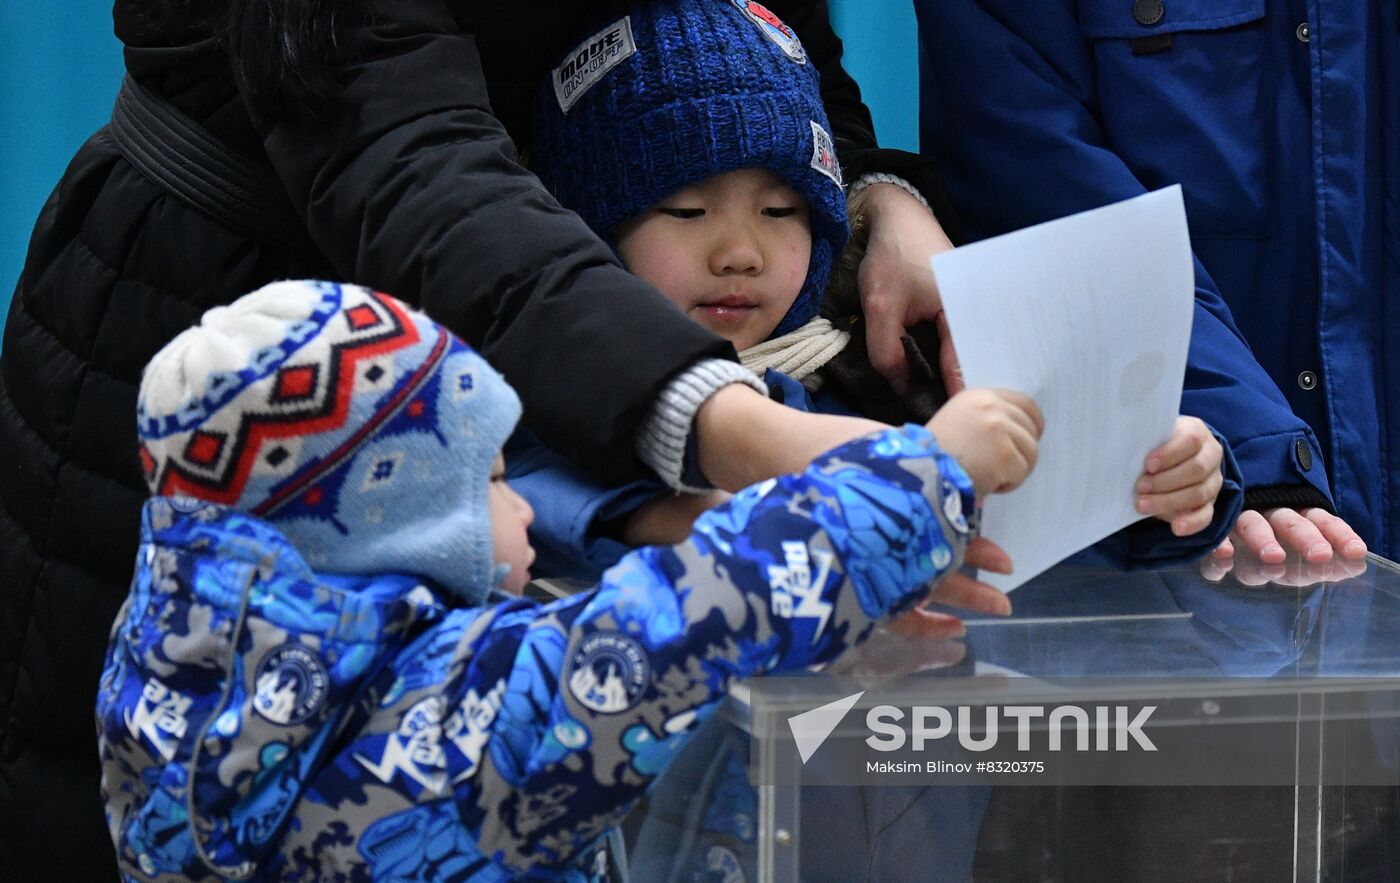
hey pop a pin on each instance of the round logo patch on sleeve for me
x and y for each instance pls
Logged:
(610, 672)
(291, 685)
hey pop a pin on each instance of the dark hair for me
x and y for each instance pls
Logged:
(286, 54)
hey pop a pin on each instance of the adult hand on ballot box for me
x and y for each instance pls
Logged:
(1292, 570)
(1313, 534)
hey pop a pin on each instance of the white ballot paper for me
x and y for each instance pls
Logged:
(1090, 315)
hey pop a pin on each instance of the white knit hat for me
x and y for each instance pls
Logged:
(359, 427)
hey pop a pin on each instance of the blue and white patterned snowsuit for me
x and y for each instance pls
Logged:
(258, 720)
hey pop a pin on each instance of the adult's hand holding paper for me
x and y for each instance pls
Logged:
(1091, 316)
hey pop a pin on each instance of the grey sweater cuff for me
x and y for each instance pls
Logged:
(885, 178)
(661, 439)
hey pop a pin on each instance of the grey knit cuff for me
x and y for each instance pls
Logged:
(661, 439)
(885, 178)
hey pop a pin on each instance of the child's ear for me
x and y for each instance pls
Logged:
(842, 298)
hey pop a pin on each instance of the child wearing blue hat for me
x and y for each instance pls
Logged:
(323, 671)
(690, 134)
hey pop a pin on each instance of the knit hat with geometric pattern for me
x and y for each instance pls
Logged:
(676, 91)
(358, 426)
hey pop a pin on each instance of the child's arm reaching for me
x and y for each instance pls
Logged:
(601, 690)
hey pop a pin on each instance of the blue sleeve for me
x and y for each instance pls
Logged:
(1009, 103)
(602, 690)
(569, 507)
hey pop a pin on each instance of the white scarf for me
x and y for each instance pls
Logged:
(797, 353)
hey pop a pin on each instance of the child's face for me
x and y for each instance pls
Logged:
(731, 251)
(510, 520)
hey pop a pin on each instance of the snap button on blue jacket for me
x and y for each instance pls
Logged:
(1284, 140)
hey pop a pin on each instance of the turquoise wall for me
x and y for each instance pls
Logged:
(60, 67)
(882, 53)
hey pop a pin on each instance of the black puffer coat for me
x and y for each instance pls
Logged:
(414, 189)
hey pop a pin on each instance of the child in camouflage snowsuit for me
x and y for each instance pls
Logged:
(323, 672)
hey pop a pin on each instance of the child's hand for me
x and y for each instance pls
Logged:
(1183, 478)
(668, 519)
(993, 434)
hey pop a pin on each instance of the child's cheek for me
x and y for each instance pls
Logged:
(798, 259)
(667, 266)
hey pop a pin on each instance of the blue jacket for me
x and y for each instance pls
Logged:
(259, 720)
(570, 510)
(1272, 115)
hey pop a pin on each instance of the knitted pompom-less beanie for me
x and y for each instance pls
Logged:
(359, 427)
(677, 91)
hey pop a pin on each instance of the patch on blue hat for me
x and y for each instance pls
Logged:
(773, 28)
(591, 60)
(824, 154)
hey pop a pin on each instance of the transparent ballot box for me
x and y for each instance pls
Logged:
(1269, 697)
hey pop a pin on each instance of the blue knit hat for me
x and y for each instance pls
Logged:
(359, 427)
(677, 91)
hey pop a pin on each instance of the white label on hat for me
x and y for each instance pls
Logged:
(824, 154)
(773, 28)
(591, 60)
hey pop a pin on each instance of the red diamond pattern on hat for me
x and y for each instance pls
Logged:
(362, 317)
(303, 401)
(415, 409)
(295, 383)
(204, 447)
(148, 463)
